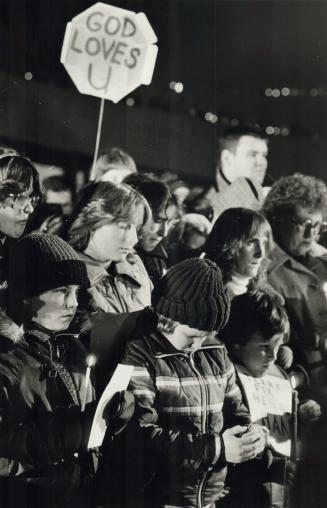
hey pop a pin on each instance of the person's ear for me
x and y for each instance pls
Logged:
(226, 159)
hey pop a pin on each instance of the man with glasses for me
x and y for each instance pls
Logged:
(296, 207)
(19, 194)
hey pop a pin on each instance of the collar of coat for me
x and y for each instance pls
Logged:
(162, 347)
(279, 257)
(97, 271)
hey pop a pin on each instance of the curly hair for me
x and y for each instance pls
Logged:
(107, 203)
(232, 228)
(292, 192)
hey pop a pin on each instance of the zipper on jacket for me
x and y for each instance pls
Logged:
(200, 489)
(204, 424)
(204, 392)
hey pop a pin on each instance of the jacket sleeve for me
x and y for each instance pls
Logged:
(43, 438)
(174, 444)
(234, 410)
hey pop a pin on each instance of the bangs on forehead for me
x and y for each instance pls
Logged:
(259, 225)
(21, 171)
(132, 210)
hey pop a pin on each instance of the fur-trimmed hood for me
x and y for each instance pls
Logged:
(10, 333)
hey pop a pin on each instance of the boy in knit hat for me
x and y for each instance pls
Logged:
(43, 430)
(189, 419)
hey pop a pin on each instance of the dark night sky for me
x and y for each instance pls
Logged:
(226, 53)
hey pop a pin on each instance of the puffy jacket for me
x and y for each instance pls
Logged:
(183, 402)
(125, 287)
(43, 433)
(306, 305)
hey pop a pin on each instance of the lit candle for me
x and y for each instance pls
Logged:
(90, 362)
(324, 288)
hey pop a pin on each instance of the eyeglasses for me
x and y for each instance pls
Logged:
(21, 200)
(306, 226)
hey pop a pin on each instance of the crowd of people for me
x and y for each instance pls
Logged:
(216, 296)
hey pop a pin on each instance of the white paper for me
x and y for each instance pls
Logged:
(118, 382)
(270, 404)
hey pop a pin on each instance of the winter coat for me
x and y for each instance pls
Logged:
(43, 433)
(306, 305)
(155, 262)
(124, 287)
(183, 401)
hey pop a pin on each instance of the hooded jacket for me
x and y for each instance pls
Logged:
(183, 402)
(42, 430)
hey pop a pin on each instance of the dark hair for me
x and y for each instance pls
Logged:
(253, 312)
(233, 227)
(104, 203)
(20, 170)
(155, 191)
(291, 192)
(56, 184)
(232, 135)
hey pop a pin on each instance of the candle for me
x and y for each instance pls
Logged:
(90, 362)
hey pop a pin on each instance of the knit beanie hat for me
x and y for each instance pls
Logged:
(39, 263)
(192, 293)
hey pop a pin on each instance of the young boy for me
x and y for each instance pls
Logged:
(189, 417)
(257, 327)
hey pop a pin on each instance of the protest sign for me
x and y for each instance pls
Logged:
(108, 51)
(270, 404)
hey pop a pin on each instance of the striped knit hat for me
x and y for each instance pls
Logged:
(192, 293)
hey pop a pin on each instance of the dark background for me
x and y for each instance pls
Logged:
(226, 53)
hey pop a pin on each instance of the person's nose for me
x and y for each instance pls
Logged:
(28, 208)
(163, 229)
(261, 160)
(309, 232)
(132, 236)
(71, 300)
(259, 250)
(271, 354)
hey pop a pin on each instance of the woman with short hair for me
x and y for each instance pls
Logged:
(296, 208)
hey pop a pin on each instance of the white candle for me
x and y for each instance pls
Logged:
(90, 362)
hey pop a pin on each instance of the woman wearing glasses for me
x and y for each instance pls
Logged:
(19, 194)
(296, 207)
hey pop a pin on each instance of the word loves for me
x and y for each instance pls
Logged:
(270, 403)
(112, 48)
(108, 51)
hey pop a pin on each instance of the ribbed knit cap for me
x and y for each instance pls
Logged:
(39, 263)
(192, 293)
